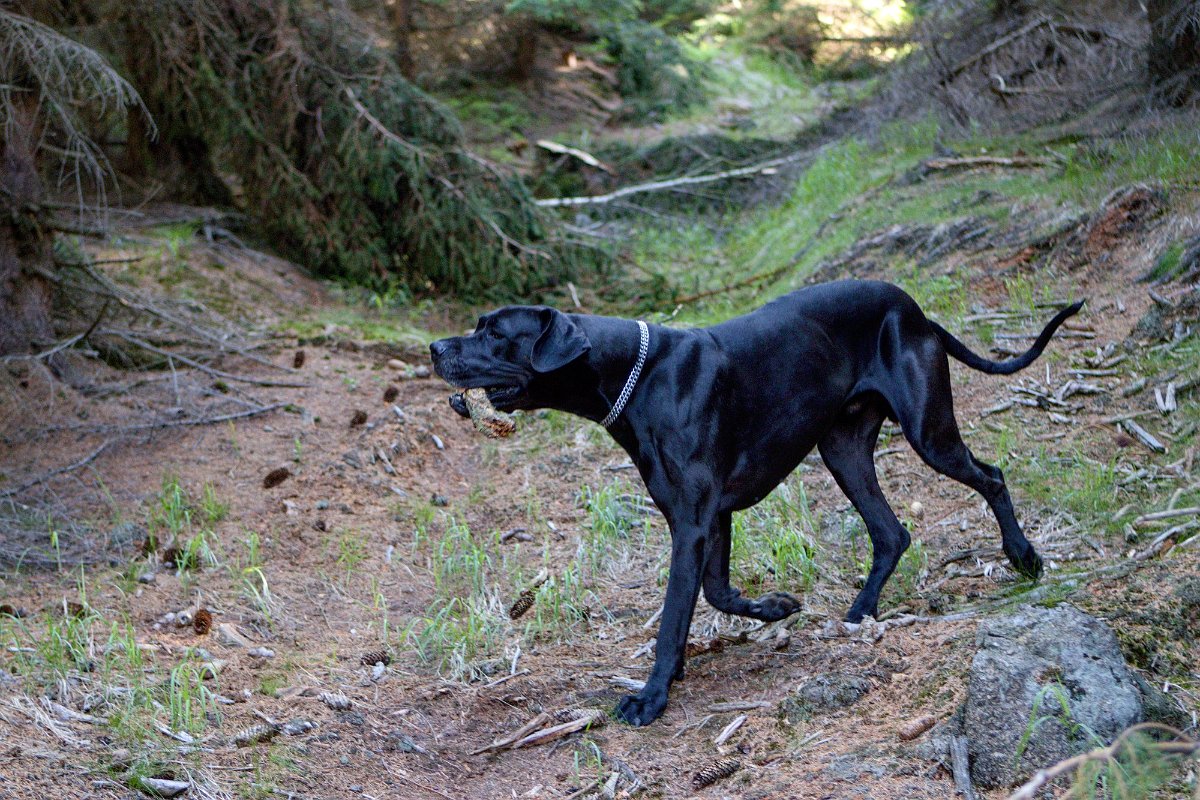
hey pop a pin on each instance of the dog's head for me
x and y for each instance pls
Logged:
(509, 353)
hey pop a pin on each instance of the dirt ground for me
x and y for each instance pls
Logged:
(351, 544)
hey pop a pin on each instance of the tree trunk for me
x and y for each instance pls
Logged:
(26, 258)
(1174, 50)
(526, 55)
(402, 28)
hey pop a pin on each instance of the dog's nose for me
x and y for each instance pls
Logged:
(438, 349)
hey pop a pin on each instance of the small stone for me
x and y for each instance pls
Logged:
(357, 789)
(163, 787)
(397, 365)
(352, 718)
(227, 633)
(322, 505)
(261, 652)
(421, 372)
(297, 727)
(400, 742)
(378, 670)
(832, 690)
(147, 577)
(439, 500)
(211, 669)
(917, 509)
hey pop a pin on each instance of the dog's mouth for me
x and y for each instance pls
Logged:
(502, 398)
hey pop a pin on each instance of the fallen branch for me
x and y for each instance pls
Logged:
(1162, 543)
(503, 742)
(1180, 745)
(960, 765)
(765, 168)
(586, 719)
(972, 162)
(1170, 513)
(730, 730)
(1092, 33)
(581, 155)
(1144, 436)
(739, 705)
(216, 373)
(762, 276)
(83, 462)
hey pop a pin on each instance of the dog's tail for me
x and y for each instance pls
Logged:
(960, 351)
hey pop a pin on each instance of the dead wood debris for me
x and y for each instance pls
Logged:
(960, 766)
(539, 730)
(730, 729)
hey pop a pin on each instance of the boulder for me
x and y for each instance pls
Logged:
(1045, 684)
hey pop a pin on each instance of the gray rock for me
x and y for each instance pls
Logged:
(1045, 684)
(831, 690)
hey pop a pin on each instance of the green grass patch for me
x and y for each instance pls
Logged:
(773, 543)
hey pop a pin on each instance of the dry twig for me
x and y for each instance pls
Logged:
(1178, 745)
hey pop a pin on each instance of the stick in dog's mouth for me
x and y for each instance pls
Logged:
(487, 420)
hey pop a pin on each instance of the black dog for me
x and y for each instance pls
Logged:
(719, 416)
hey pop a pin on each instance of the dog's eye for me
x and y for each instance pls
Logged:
(492, 333)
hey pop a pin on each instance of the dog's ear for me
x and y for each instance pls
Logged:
(560, 343)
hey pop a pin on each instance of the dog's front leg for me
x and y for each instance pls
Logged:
(683, 585)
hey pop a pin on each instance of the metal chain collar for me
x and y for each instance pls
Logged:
(627, 390)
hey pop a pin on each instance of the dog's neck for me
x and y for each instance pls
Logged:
(608, 364)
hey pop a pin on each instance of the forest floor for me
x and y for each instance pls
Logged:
(397, 528)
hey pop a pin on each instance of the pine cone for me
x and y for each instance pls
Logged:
(202, 622)
(255, 733)
(375, 657)
(523, 604)
(338, 702)
(715, 771)
(276, 477)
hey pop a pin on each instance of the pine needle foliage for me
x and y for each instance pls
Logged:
(69, 86)
(350, 169)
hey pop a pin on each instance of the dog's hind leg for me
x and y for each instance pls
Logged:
(848, 450)
(925, 409)
(724, 597)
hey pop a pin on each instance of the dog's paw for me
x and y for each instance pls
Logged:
(1029, 564)
(639, 710)
(775, 606)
